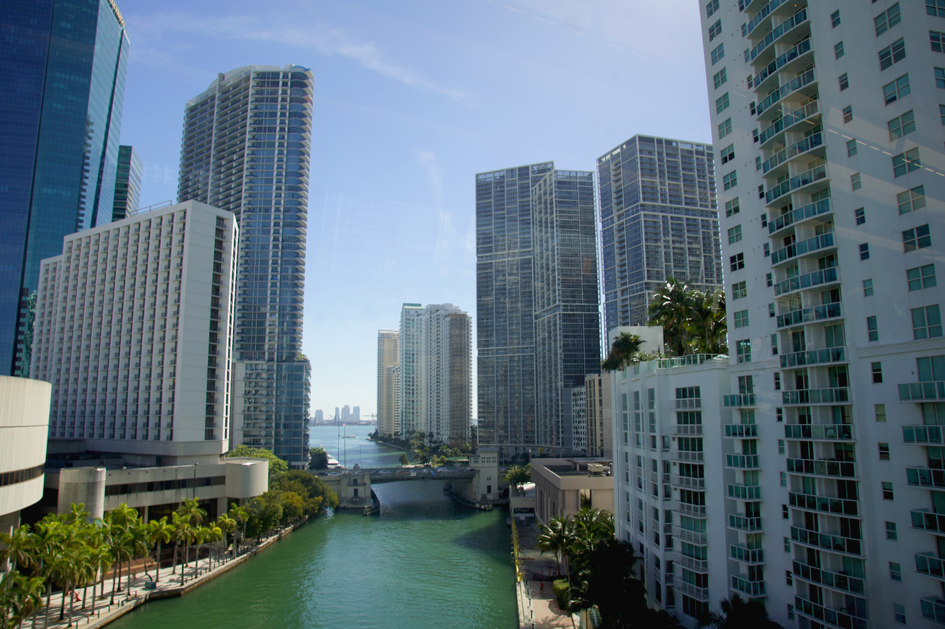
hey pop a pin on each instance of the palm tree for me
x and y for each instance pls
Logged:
(159, 532)
(227, 525)
(622, 352)
(195, 515)
(589, 528)
(19, 548)
(707, 322)
(670, 308)
(179, 534)
(102, 560)
(739, 614)
(139, 541)
(556, 538)
(241, 515)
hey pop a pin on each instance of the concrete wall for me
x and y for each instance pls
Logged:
(560, 483)
(24, 423)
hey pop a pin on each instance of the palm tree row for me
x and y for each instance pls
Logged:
(693, 321)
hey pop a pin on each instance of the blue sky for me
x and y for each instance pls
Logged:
(412, 99)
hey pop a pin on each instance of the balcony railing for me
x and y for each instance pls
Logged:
(697, 511)
(835, 469)
(809, 280)
(930, 565)
(802, 213)
(834, 395)
(838, 506)
(835, 543)
(933, 609)
(687, 429)
(781, 29)
(744, 523)
(789, 119)
(840, 619)
(836, 580)
(764, 13)
(687, 482)
(744, 492)
(783, 59)
(741, 431)
(831, 432)
(924, 434)
(743, 400)
(930, 478)
(788, 88)
(921, 391)
(803, 247)
(692, 591)
(810, 315)
(747, 555)
(698, 565)
(743, 461)
(693, 403)
(794, 183)
(814, 357)
(687, 456)
(927, 520)
(752, 589)
(693, 537)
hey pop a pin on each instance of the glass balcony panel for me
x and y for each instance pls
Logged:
(744, 492)
(818, 432)
(923, 434)
(743, 461)
(836, 506)
(928, 520)
(835, 543)
(921, 391)
(788, 88)
(809, 280)
(739, 401)
(836, 618)
(930, 565)
(744, 523)
(788, 120)
(811, 467)
(925, 477)
(803, 247)
(741, 431)
(752, 589)
(814, 357)
(835, 580)
(810, 315)
(836, 395)
(933, 609)
(747, 555)
(795, 20)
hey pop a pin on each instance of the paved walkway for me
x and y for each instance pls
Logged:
(538, 608)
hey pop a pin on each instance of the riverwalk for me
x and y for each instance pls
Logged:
(141, 590)
(537, 606)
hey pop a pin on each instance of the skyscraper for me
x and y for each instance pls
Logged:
(388, 342)
(127, 183)
(246, 149)
(447, 373)
(659, 220)
(536, 304)
(411, 369)
(60, 118)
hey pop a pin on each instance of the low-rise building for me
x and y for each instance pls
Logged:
(564, 486)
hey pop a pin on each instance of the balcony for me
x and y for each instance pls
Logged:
(927, 520)
(747, 555)
(835, 580)
(929, 478)
(696, 511)
(700, 538)
(689, 404)
(825, 356)
(784, 27)
(794, 184)
(687, 429)
(744, 400)
(752, 589)
(788, 120)
(809, 280)
(687, 482)
(835, 543)
(744, 492)
(775, 97)
(692, 591)
(810, 315)
(921, 391)
(834, 395)
(741, 431)
(823, 504)
(744, 523)
(933, 609)
(685, 456)
(930, 565)
(697, 565)
(743, 461)
(804, 247)
(771, 70)
(764, 14)
(830, 469)
(840, 619)
(923, 434)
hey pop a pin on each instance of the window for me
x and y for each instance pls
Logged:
(917, 238)
(851, 148)
(719, 52)
(727, 154)
(891, 533)
(940, 78)
(860, 216)
(899, 613)
(906, 162)
(887, 19)
(734, 234)
(739, 290)
(910, 200)
(715, 30)
(883, 452)
(935, 7)
(887, 491)
(921, 277)
(867, 288)
(893, 53)
(769, 279)
(719, 78)
(764, 219)
(725, 128)
(865, 251)
(785, 514)
(838, 50)
(895, 571)
(780, 446)
(744, 351)
(877, 369)
(758, 162)
(730, 180)
(894, 90)
(926, 322)
(711, 8)
(835, 19)
(880, 412)
(731, 207)
(767, 250)
(779, 414)
(741, 318)
(844, 81)
(737, 261)
(774, 344)
(847, 114)
(872, 329)
(855, 181)
(787, 544)
(770, 310)
(901, 125)
(936, 39)
(784, 481)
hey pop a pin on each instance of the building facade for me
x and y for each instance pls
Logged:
(133, 330)
(447, 374)
(659, 220)
(24, 426)
(536, 304)
(579, 420)
(245, 149)
(411, 370)
(127, 183)
(60, 117)
(599, 416)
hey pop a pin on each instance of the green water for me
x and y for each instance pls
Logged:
(423, 562)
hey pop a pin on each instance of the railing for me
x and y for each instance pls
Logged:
(763, 13)
(743, 461)
(839, 506)
(687, 482)
(835, 543)
(775, 96)
(693, 537)
(809, 280)
(744, 523)
(921, 391)
(699, 565)
(933, 609)
(924, 434)
(685, 361)
(741, 431)
(692, 591)
(697, 511)
(790, 118)
(687, 429)
(687, 456)
(788, 56)
(689, 403)
(753, 589)
(927, 520)
(739, 401)
(930, 565)
(744, 492)
(838, 469)
(794, 183)
(836, 580)
(802, 247)
(813, 357)
(925, 477)
(810, 315)
(832, 617)
(800, 214)
(799, 147)
(835, 395)
(781, 29)
(746, 555)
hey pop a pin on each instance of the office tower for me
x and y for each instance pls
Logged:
(245, 149)
(133, 326)
(579, 419)
(63, 80)
(599, 415)
(337, 417)
(536, 304)
(658, 221)
(446, 354)
(411, 370)
(388, 355)
(356, 414)
(127, 183)
(345, 414)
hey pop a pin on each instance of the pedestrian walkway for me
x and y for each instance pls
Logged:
(538, 607)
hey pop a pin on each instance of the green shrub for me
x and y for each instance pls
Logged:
(560, 588)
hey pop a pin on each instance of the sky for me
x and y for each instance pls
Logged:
(412, 99)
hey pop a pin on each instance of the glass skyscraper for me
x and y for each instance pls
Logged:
(536, 304)
(63, 80)
(245, 149)
(127, 183)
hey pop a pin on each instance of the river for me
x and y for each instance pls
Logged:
(422, 562)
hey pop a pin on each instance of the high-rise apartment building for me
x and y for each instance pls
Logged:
(245, 149)
(127, 183)
(446, 350)
(133, 329)
(828, 449)
(659, 221)
(388, 356)
(411, 369)
(599, 415)
(536, 304)
(345, 414)
(60, 117)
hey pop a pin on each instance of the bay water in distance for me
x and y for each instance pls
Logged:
(424, 562)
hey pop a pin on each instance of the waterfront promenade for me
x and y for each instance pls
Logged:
(537, 606)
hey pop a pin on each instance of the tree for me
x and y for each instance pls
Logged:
(228, 525)
(241, 515)
(518, 475)
(160, 533)
(670, 308)
(404, 459)
(556, 538)
(739, 614)
(318, 459)
(623, 352)
(19, 548)
(276, 465)
(707, 322)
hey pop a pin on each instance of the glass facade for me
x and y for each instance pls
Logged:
(60, 117)
(246, 150)
(659, 220)
(127, 183)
